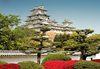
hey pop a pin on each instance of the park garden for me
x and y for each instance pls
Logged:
(13, 36)
(53, 61)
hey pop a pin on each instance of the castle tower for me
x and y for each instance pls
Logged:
(38, 18)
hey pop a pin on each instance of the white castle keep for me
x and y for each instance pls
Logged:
(39, 18)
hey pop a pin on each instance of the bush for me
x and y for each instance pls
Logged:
(10, 66)
(0, 66)
(96, 60)
(59, 64)
(3, 62)
(70, 64)
(87, 65)
(56, 57)
(54, 64)
(29, 65)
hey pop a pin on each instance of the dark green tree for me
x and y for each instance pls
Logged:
(83, 45)
(94, 43)
(40, 37)
(70, 45)
(81, 41)
(59, 40)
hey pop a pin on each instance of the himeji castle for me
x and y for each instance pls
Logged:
(39, 19)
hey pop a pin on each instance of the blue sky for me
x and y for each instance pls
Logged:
(83, 13)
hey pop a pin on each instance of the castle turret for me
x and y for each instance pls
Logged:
(67, 23)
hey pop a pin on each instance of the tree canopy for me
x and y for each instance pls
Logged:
(7, 37)
(79, 41)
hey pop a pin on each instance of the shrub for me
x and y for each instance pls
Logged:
(70, 64)
(0, 66)
(56, 57)
(29, 65)
(54, 64)
(10, 66)
(86, 65)
(3, 62)
(96, 60)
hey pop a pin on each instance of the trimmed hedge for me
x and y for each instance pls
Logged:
(3, 62)
(96, 60)
(54, 64)
(87, 65)
(59, 64)
(70, 64)
(29, 65)
(0, 66)
(10, 66)
(56, 57)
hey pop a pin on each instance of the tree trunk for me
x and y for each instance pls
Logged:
(83, 56)
(39, 56)
(39, 52)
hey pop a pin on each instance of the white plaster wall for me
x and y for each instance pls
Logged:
(16, 59)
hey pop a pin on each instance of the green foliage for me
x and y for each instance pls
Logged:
(94, 43)
(94, 36)
(93, 39)
(3, 62)
(78, 37)
(29, 65)
(80, 40)
(41, 37)
(44, 29)
(22, 32)
(84, 47)
(8, 20)
(24, 36)
(70, 44)
(7, 37)
(87, 65)
(56, 57)
(87, 45)
(60, 39)
(85, 31)
(1, 47)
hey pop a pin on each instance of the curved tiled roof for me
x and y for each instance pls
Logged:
(11, 52)
(15, 53)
